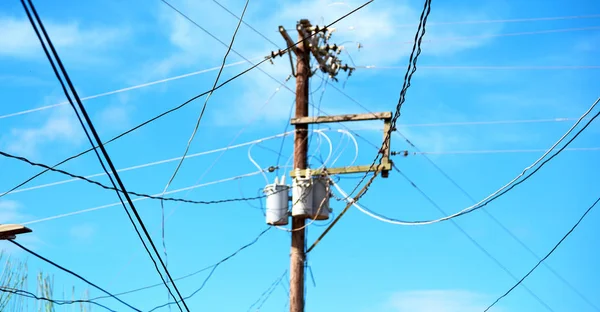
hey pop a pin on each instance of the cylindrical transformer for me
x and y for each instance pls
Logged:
(277, 204)
(302, 196)
(321, 196)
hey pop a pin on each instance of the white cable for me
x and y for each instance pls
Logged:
(350, 136)
(503, 151)
(338, 148)
(143, 198)
(551, 67)
(256, 164)
(126, 89)
(478, 204)
(321, 132)
(156, 162)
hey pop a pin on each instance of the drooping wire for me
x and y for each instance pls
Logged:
(545, 257)
(189, 201)
(414, 55)
(267, 293)
(214, 268)
(189, 143)
(254, 241)
(96, 137)
(109, 295)
(189, 100)
(28, 294)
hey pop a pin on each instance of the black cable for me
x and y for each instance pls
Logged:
(174, 199)
(214, 268)
(479, 246)
(287, 124)
(72, 273)
(28, 294)
(254, 241)
(411, 69)
(187, 148)
(545, 257)
(495, 220)
(179, 106)
(267, 292)
(248, 25)
(98, 140)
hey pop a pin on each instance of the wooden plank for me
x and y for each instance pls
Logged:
(350, 169)
(341, 118)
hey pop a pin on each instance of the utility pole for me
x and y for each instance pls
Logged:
(297, 253)
(312, 41)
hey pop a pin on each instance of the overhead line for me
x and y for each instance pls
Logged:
(545, 257)
(28, 294)
(141, 198)
(139, 86)
(54, 264)
(98, 140)
(475, 67)
(161, 197)
(193, 98)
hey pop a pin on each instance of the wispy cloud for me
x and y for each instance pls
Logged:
(60, 127)
(438, 301)
(82, 232)
(10, 212)
(19, 41)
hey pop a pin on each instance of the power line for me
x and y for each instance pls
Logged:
(198, 121)
(545, 257)
(479, 246)
(254, 241)
(214, 268)
(414, 55)
(504, 228)
(195, 97)
(68, 214)
(461, 38)
(33, 253)
(476, 67)
(28, 294)
(150, 164)
(503, 190)
(244, 22)
(161, 197)
(503, 151)
(139, 86)
(267, 293)
(96, 137)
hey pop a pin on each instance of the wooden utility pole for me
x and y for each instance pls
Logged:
(314, 41)
(297, 255)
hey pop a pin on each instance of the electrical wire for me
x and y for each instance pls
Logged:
(60, 216)
(545, 257)
(434, 204)
(195, 97)
(28, 294)
(150, 164)
(504, 228)
(407, 153)
(189, 143)
(33, 253)
(96, 137)
(135, 87)
(254, 241)
(161, 197)
(214, 268)
(414, 55)
(267, 293)
(478, 67)
(461, 38)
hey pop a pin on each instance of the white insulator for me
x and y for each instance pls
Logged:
(302, 197)
(321, 197)
(277, 204)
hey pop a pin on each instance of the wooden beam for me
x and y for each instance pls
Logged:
(341, 118)
(351, 169)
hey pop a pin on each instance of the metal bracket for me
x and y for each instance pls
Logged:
(385, 165)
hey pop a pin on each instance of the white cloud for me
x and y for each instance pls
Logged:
(438, 301)
(61, 126)
(114, 117)
(18, 39)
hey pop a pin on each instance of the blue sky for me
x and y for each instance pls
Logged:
(362, 264)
